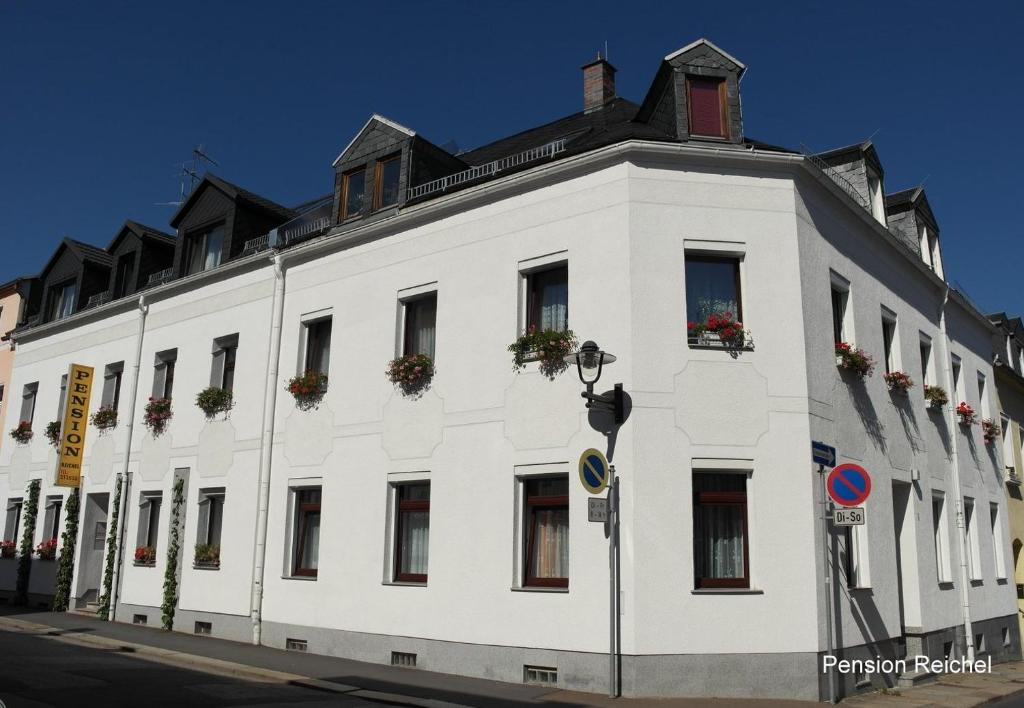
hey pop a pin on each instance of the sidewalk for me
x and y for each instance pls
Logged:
(416, 687)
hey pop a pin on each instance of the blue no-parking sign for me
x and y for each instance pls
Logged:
(848, 484)
(594, 471)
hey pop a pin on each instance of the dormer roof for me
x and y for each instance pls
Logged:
(710, 45)
(913, 198)
(375, 118)
(235, 193)
(866, 150)
(143, 232)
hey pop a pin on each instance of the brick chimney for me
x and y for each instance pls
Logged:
(598, 84)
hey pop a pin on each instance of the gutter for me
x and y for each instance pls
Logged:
(126, 476)
(961, 530)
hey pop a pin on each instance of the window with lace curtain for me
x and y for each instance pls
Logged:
(420, 325)
(546, 532)
(412, 532)
(720, 530)
(547, 299)
(306, 532)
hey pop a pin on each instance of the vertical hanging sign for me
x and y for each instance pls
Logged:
(73, 426)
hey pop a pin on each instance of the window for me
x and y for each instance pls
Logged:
(1, 396)
(997, 541)
(856, 560)
(12, 523)
(712, 287)
(940, 530)
(973, 542)
(353, 188)
(386, 180)
(982, 396)
(306, 532)
(318, 345)
(706, 100)
(412, 532)
(203, 250)
(925, 347)
(889, 342)
(546, 529)
(122, 276)
(163, 373)
(211, 516)
(926, 250)
(420, 325)
(149, 520)
(720, 530)
(876, 197)
(547, 299)
(28, 403)
(222, 370)
(61, 301)
(842, 330)
(51, 518)
(958, 391)
(112, 385)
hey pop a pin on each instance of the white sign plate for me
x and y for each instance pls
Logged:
(597, 509)
(851, 516)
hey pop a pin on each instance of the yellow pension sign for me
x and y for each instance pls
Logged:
(73, 426)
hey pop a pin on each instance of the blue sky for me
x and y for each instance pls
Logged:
(102, 101)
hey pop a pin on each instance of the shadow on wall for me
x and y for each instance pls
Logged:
(908, 420)
(942, 427)
(869, 416)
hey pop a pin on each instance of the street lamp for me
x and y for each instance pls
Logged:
(590, 361)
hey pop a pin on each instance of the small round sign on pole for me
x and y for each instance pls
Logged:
(848, 484)
(594, 471)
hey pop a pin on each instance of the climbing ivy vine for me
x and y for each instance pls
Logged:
(28, 517)
(66, 562)
(108, 569)
(173, 556)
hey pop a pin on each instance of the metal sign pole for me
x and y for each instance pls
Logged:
(613, 581)
(825, 552)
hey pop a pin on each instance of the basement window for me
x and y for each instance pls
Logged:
(296, 644)
(540, 675)
(139, 619)
(205, 628)
(401, 658)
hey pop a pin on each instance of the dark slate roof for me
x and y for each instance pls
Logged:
(905, 196)
(916, 198)
(611, 124)
(149, 231)
(89, 252)
(864, 148)
(235, 192)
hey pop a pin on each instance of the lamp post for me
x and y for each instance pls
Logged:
(590, 361)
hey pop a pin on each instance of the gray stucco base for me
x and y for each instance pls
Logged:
(783, 675)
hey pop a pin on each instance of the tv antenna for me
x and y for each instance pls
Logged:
(189, 172)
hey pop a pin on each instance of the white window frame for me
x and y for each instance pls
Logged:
(957, 372)
(527, 268)
(15, 505)
(206, 498)
(940, 529)
(858, 561)
(983, 398)
(112, 379)
(894, 362)
(305, 322)
(218, 358)
(52, 508)
(291, 540)
(29, 395)
(973, 540)
(160, 363)
(142, 531)
(927, 360)
(405, 298)
(998, 553)
(841, 285)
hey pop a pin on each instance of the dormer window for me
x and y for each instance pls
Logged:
(353, 187)
(706, 101)
(62, 301)
(124, 271)
(385, 180)
(930, 249)
(203, 250)
(876, 197)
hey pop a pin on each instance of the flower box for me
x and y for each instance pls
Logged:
(207, 555)
(105, 418)
(8, 549)
(308, 389)
(47, 550)
(53, 433)
(898, 382)
(857, 361)
(145, 555)
(412, 373)
(990, 430)
(157, 415)
(719, 330)
(22, 432)
(549, 347)
(936, 396)
(214, 400)
(966, 414)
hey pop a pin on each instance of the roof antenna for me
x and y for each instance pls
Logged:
(190, 171)
(921, 183)
(606, 50)
(873, 134)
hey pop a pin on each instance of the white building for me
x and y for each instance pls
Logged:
(623, 222)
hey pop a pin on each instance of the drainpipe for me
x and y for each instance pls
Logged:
(266, 449)
(961, 531)
(126, 477)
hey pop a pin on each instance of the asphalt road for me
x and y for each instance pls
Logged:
(36, 671)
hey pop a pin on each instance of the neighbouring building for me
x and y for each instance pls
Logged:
(434, 518)
(12, 300)
(1008, 363)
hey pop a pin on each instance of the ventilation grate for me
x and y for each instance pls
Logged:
(402, 658)
(139, 619)
(540, 675)
(295, 644)
(204, 628)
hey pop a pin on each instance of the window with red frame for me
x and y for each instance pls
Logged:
(307, 532)
(720, 531)
(706, 99)
(413, 532)
(546, 540)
